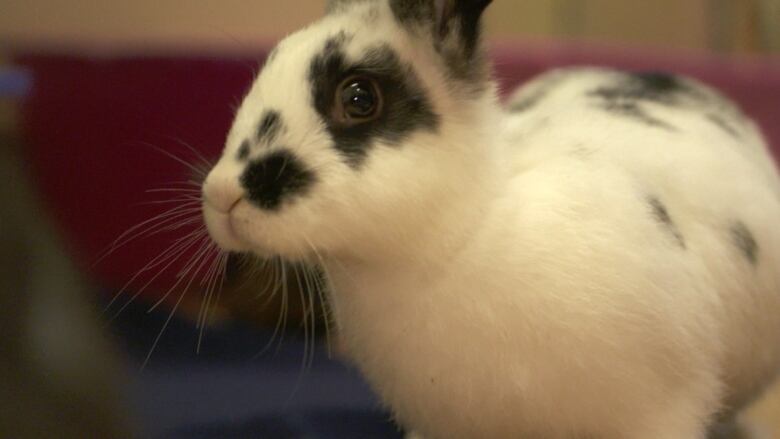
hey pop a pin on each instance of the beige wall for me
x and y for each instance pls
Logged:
(242, 24)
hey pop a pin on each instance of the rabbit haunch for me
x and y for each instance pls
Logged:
(599, 260)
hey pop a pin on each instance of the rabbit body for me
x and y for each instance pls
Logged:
(606, 289)
(596, 259)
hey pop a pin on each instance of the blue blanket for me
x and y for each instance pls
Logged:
(227, 390)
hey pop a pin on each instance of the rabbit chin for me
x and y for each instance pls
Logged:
(245, 230)
(221, 230)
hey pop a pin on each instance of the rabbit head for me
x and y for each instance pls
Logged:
(357, 131)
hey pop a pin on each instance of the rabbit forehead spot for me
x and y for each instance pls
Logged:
(244, 150)
(269, 126)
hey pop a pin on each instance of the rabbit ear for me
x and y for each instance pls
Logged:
(450, 18)
(332, 5)
(454, 26)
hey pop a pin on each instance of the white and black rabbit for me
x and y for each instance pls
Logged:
(599, 259)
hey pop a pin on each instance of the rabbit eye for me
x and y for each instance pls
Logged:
(358, 100)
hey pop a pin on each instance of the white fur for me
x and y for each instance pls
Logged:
(505, 276)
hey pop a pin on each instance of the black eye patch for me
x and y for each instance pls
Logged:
(406, 107)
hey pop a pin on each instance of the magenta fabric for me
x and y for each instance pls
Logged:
(92, 125)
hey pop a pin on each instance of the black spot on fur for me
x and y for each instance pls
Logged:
(636, 112)
(269, 127)
(406, 106)
(243, 151)
(524, 105)
(276, 178)
(620, 102)
(724, 125)
(745, 241)
(661, 214)
(656, 85)
(626, 97)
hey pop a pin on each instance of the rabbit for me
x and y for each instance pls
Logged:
(595, 258)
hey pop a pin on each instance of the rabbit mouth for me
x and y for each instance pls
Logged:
(222, 230)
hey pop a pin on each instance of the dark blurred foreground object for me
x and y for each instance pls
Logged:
(59, 376)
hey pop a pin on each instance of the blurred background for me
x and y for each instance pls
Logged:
(726, 26)
(95, 97)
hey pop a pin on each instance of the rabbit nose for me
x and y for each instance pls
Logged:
(222, 193)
